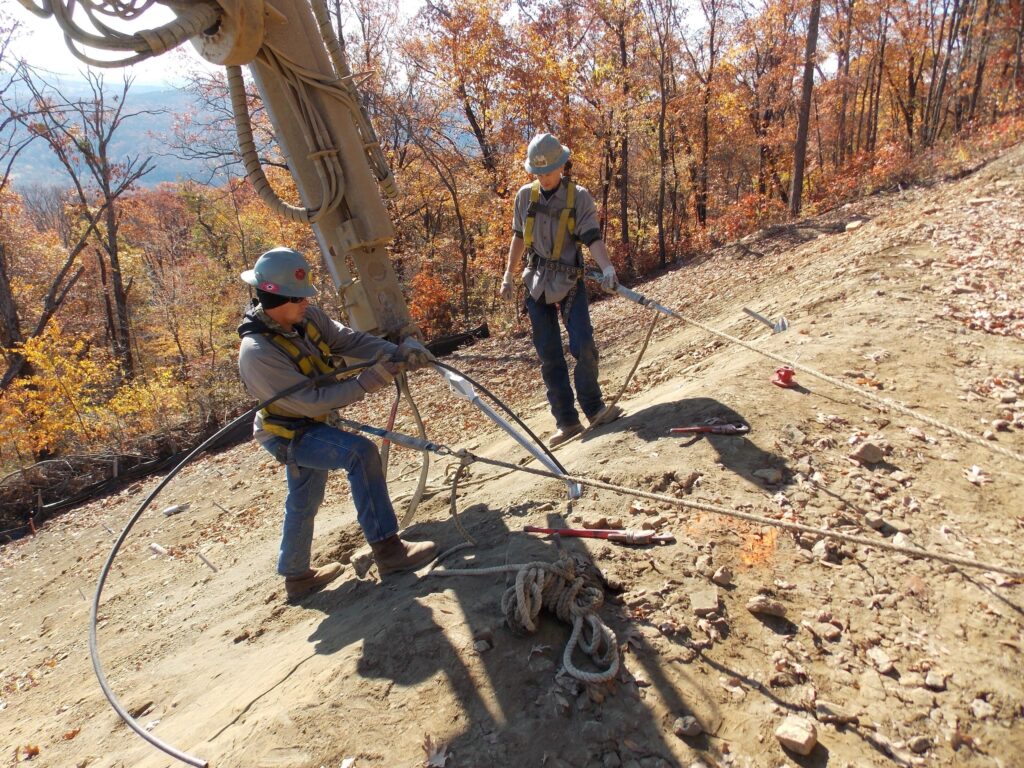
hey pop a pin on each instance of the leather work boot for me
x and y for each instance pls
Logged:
(564, 433)
(393, 555)
(299, 586)
(605, 416)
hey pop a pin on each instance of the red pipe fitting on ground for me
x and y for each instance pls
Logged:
(784, 377)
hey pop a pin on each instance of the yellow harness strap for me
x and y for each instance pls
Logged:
(283, 424)
(566, 220)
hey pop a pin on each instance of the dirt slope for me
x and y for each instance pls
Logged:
(919, 302)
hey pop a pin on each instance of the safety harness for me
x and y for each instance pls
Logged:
(566, 226)
(282, 424)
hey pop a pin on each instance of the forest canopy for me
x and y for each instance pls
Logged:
(689, 124)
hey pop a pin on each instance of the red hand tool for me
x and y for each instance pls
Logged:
(713, 429)
(631, 536)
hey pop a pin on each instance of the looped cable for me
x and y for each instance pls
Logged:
(247, 147)
(193, 19)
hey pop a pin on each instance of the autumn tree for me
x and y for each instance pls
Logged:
(80, 133)
(804, 120)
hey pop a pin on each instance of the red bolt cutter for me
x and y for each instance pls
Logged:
(630, 536)
(713, 429)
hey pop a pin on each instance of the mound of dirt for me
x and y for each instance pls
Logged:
(725, 635)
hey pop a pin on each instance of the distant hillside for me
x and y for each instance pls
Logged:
(145, 135)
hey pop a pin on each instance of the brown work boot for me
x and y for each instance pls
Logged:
(564, 433)
(299, 586)
(605, 416)
(393, 555)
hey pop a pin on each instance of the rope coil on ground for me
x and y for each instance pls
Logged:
(562, 589)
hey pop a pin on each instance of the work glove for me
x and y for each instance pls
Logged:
(377, 376)
(506, 286)
(608, 280)
(413, 355)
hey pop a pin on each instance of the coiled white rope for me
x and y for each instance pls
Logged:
(191, 21)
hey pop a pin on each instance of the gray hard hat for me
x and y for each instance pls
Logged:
(281, 271)
(545, 154)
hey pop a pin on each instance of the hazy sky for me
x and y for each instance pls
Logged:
(41, 43)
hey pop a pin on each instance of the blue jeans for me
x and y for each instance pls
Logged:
(322, 448)
(547, 339)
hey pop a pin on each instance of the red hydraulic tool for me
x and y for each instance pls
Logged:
(713, 429)
(631, 536)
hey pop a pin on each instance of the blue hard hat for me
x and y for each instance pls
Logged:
(281, 271)
(545, 154)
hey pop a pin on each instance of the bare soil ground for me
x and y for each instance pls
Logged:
(895, 661)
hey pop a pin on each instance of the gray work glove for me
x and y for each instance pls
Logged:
(413, 355)
(608, 280)
(506, 286)
(377, 376)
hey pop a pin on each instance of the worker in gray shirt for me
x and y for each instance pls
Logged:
(286, 341)
(552, 217)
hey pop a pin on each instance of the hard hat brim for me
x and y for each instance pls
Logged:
(249, 277)
(540, 170)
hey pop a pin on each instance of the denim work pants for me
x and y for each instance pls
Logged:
(547, 339)
(318, 450)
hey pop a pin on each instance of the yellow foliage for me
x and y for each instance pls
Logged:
(72, 400)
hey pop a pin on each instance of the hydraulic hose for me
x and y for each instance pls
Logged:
(104, 572)
(505, 408)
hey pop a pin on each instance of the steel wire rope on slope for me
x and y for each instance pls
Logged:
(104, 572)
(613, 402)
(468, 457)
(503, 407)
(878, 400)
(761, 520)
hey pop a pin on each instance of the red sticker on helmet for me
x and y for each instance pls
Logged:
(268, 286)
(300, 274)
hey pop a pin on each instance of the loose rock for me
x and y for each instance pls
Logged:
(881, 660)
(765, 605)
(687, 726)
(919, 744)
(723, 576)
(797, 734)
(827, 712)
(981, 709)
(902, 540)
(770, 475)
(704, 601)
(867, 453)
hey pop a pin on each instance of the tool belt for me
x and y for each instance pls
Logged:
(535, 261)
(288, 427)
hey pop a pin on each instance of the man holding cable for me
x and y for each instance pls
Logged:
(285, 341)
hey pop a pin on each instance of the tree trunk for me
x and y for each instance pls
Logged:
(122, 341)
(979, 72)
(624, 152)
(844, 97)
(10, 326)
(800, 150)
(662, 168)
(877, 97)
(938, 107)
